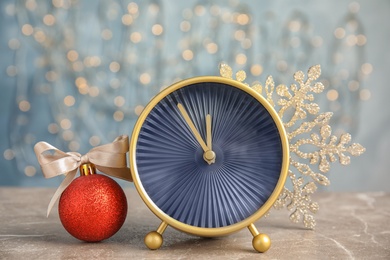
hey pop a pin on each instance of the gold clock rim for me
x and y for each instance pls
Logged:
(204, 231)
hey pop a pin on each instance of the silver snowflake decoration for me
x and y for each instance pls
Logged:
(306, 169)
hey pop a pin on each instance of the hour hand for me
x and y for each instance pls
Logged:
(209, 156)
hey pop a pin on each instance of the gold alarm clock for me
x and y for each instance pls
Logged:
(209, 156)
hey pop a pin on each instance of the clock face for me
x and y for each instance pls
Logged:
(169, 164)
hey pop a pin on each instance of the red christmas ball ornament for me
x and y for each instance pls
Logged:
(93, 207)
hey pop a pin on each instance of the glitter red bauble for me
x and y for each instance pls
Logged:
(93, 208)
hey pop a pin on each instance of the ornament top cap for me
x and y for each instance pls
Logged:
(87, 169)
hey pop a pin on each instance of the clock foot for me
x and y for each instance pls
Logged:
(261, 242)
(153, 240)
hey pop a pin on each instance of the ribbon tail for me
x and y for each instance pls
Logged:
(64, 184)
(121, 173)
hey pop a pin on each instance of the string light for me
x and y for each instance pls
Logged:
(187, 55)
(256, 70)
(115, 83)
(187, 13)
(212, 47)
(78, 66)
(367, 68)
(10, 9)
(49, 20)
(12, 71)
(351, 40)
(72, 55)
(65, 124)
(53, 128)
(132, 8)
(353, 85)
(145, 78)
(106, 34)
(153, 8)
(246, 44)
(365, 94)
(242, 19)
(68, 135)
(199, 10)
(94, 91)
(92, 61)
(24, 105)
(119, 101)
(80, 81)
(138, 110)
(127, 19)
(185, 26)
(118, 116)
(69, 101)
(29, 138)
(282, 65)
(361, 39)
(317, 41)
(31, 5)
(295, 42)
(241, 59)
(94, 140)
(239, 35)
(74, 146)
(8, 154)
(30, 171)
(14, 44)
(339, 33)
(135, 37)
(295, 25)
(157, 29)
(40, 36)
(115, 66)
(27, 29)
(332, 95)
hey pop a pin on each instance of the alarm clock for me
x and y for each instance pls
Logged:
(209, 156)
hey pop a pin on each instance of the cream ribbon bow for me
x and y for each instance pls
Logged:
(109, 158)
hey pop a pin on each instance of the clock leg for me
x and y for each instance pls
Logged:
(153, 240)
(261, 242)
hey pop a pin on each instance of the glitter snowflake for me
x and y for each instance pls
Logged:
(295, 103)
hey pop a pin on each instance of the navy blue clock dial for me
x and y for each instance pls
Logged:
(245, 140)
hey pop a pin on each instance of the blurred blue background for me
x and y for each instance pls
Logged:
(78, 73)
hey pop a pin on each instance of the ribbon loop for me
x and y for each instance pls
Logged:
(109, 159)
(84, 159)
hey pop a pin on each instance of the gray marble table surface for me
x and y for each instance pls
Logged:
(349, 226)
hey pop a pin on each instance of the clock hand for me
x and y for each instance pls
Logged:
(208, 155)
(208, 132)
(192, 127)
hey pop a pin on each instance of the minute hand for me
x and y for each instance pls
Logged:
(208, 132)
(192, 127)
